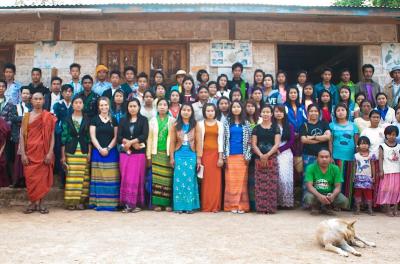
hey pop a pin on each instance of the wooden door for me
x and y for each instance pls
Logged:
(146, 58)
(6, 56)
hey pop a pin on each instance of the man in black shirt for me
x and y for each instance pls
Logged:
(89, 97)
(237, 81)
(36, 85)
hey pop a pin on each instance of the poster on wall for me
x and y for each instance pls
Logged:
(390, 55)
(224, 53)
(53, 55)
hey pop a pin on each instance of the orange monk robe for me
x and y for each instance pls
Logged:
(37, 138)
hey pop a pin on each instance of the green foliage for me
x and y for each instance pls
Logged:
(376, 3)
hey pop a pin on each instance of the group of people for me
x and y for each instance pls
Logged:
(202, 144)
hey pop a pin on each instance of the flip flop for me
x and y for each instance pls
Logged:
(43, 210)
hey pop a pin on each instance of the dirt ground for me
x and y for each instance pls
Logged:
(150, 237)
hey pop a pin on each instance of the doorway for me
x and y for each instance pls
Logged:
(313, 58)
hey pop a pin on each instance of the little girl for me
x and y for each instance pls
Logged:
(325, 104)
(363, 178)
(389, 172)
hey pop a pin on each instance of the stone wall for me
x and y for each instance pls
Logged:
(264, 57)
(372, 54)
(313, 32)
(26, 32)
(84, 53)
(112, 30)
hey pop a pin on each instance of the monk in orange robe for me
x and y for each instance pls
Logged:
(36, 145)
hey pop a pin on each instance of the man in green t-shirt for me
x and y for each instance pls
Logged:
(323, 181)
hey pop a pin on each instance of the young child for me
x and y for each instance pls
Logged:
(389, 172)
(325, 104)
(364, 175)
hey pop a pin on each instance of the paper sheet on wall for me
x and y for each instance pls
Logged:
(225, 53)
(49, 55)
(390, 55)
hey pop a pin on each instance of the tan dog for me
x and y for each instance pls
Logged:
(337, 235)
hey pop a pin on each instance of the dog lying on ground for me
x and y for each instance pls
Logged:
(338, 235)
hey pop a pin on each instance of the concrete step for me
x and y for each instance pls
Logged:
(17, 197)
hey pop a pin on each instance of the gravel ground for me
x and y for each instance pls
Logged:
(150, 237)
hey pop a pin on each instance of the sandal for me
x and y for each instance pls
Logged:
(43, 210)
(71, 207)
(136, 210)
(157, 209)
(30, 209)
(168, 209)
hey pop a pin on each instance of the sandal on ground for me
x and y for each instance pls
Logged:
(136, 210)
(71, 207)
(157, 209)
(168, 209)
(30, 209)
(189, 212)
(241, 212)
(43, 210)
(234, 211)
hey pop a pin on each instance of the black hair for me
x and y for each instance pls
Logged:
(285, 122)
(343, 105)
(10, 66)
(130, 68)
(303, 97)
(366, 66)
(219, 114)
(179, 120)
(325, 69)
(380, 93)
(390, 129)
(201, 88)
(76, 98)
(3, 81)
(219, 78)
(374, 111)
(67, 86)
(298, 95)
(242, 117)
(115, 72)
(324, 149)
(154, 77)
(314, 105)
(302, 72)
(162, 99)
(25, 87)
(359, 94)
(363, 140)
(36, 70)
(344, 70)
(199, 73)
(142, 75)
(272, 78)
(87, 77)
(148, 91)
(234, 90)
(211, 83)
(256, 112)
(237, 65)
(56, 78)
(254, 76)
(133, 99)
(321, 104)
(192, 92)
(176, 91)
(205, 108)
(284, 73)
(340, 98)
(75, 65)
(365, 101)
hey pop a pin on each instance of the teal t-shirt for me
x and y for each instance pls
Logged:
(343, 140)
(323, 182)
